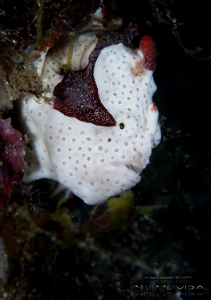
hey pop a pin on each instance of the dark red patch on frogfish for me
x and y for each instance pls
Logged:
(147, 46)
(77, 96)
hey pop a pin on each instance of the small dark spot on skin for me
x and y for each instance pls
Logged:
(121, 126)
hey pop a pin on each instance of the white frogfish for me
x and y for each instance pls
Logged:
(97, 134)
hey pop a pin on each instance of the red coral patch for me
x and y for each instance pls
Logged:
(12, 151)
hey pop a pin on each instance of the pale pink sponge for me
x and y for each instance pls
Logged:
(96, 136)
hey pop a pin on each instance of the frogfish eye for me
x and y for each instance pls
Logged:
(121, 126)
